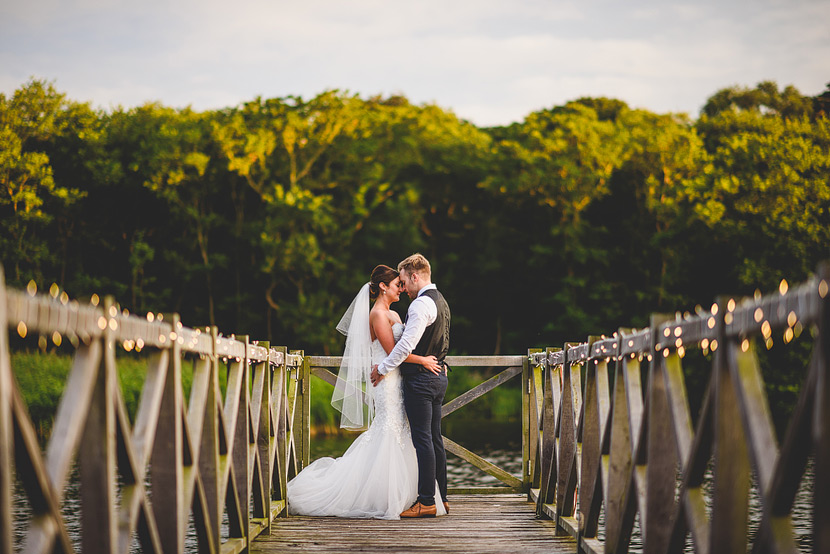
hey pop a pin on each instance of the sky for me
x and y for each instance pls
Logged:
(491, 62)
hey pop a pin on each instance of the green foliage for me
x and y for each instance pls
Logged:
(265, 218)
(41, 378)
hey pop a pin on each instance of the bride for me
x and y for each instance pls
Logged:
(378, 475)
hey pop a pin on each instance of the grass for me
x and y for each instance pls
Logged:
(41, 378)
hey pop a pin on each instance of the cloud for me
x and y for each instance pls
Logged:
(490, 61)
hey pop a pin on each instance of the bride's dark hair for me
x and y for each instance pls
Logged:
(381, 274)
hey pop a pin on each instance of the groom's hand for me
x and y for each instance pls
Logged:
(375, 376)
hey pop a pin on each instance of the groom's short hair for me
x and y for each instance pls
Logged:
(415, 263)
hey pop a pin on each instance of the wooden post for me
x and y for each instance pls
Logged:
(566, 470)
(661, 464)
(595, 414)
(167, 469)
(209, 439)
(537, 407)
(98, 505)
(281, 410)
(237, 403)
(265, 442)
(527, 426)
(821, 419)
(731, 462)
(6, 436)
(547, 484)
(626, 414)
(305, 414)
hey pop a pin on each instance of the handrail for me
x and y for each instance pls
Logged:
(213, 455)
(593, 436)
(605, 442)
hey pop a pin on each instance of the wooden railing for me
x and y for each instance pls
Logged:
(606, 445)
(604, 442)
(206, 456)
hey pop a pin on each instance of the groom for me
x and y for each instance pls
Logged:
(427, 333)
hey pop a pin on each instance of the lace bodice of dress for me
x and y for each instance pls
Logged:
(388, 395)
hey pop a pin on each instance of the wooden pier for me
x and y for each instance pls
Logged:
(477, 524)
(606, 428)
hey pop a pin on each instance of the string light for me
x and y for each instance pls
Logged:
(745, 345)
(783, 287)
(759, 315)
(54, 290)
(94, 299)
(22, 330)
(822, 288)
(31, 288)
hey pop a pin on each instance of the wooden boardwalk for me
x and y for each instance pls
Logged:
(477, 524)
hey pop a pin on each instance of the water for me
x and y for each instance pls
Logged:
(498, 443)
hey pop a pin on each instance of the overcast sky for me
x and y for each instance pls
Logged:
(489, 61)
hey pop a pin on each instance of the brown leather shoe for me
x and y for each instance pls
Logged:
(419, 510)
(447, 506)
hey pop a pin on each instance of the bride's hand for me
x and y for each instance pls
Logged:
(431, 363)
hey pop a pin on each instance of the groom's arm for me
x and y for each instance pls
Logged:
(421, 313)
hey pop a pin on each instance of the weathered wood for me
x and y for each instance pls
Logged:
(616, 477)
(97, 465)
(482, 464)
(821, 418)
(6, 433)
(479, 390)
(167, 463)
(477, 524)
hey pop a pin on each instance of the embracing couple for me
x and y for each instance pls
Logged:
(392, 380)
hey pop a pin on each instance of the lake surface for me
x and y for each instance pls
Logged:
(499, 443)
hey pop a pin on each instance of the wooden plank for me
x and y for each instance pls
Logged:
(72, 414)
(661, 469)
(731, 469)
(6, 434)
(821, 420)
(324, 374)
(481, 463)
(47, 526)
(476, 525)
(97, 464)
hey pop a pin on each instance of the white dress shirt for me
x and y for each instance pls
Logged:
(421, 314)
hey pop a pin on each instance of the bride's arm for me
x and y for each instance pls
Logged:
(383, 331)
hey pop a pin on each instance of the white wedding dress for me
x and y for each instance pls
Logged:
(377, 477)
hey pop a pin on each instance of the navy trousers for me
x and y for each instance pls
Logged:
(423, 395)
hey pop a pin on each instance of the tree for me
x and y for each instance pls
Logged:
(27, 119)
(767, 194)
